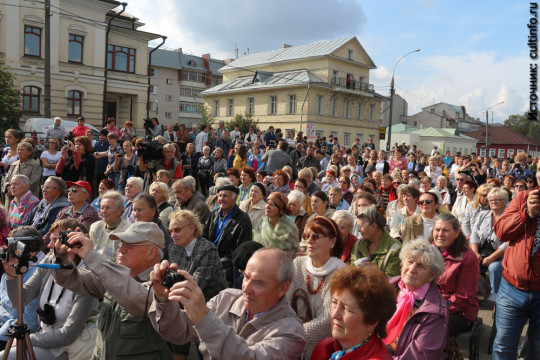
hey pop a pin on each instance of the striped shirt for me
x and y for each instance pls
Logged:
(19, 211)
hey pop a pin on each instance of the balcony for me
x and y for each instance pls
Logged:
(353, 85)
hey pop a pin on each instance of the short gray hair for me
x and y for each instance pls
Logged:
(286, 271)
(372, 215)
(444, 178)
(115, 196)
(184, 183)
(296, 195)
(220, 181)
(415, 183)
(23, 178)
(345, 216)
(191, 180)
(27, 145)
(429, 255)
(136, 181)
(498, 192)
(60, 184)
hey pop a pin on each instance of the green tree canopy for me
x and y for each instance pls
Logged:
(244, 122)
(521, 124)
(10, 101)
(206, 116)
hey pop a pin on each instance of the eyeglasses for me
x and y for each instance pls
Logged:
(397, 182)
(43, 187)
(460, 179)
(519, 186)
(74, 190)
(312, 236)
(495, 200)
(530, 181)
(176, 229)
(428, 202)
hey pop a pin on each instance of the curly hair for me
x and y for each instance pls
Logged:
(250, 172)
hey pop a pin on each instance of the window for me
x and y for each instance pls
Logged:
(359, 111)
(121, 58)
(32, 41)
(250, 106)
(360, 137)
(154, 105)
(168, 115)
(292, 104)
(483, 152)
(75, 48)
(216, 80)
(415, 123)
(154, 72)
(333, 106)
(510, 153)
(196, 76)
(272, 105)
(190, 92)
(350, 54)
(31, 99)
(168, 97)
(319, 133)
(169, 81)
(318, 105)
(230, 107)
(347, 138)
(335, 77)
(492, 152)
(333, 133)
(346, 109)
(153, 89)
(74, 103)
(188, 107)
(371, 111)
(501, 153)
(216, 107)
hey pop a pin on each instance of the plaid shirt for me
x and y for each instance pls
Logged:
(86, 214)
(204, 265)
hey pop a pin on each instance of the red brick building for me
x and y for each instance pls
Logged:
(504, 142)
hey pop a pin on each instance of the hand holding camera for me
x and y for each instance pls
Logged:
(75, 242)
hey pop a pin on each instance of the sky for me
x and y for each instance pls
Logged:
(472, 53)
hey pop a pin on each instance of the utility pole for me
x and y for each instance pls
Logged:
(47, 82)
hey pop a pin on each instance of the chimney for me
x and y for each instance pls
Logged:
(284, 46)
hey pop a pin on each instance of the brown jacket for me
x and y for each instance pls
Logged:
(414, 227)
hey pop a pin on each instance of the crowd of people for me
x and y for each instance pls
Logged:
(244, 245)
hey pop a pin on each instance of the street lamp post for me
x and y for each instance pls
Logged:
(392, 91)
(487, 128)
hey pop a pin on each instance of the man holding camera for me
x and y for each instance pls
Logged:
(255, 322)
(124, 328)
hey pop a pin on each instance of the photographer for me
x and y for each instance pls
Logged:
(68, 320)
(153, 128)
(520, 170)
(78, 163)
(124, 329)
(170, 163)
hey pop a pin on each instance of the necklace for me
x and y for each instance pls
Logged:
(308, 283)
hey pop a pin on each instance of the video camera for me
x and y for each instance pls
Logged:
(20, 248)
(150, 151)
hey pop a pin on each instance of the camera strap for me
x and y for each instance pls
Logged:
(59, 296)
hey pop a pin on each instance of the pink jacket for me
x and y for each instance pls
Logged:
(459, 283)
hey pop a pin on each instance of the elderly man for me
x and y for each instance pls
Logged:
(227, 227)
(134, 188)
(79, 194)
(23, 201)
(124, 329)
(309, 160)
(276, 159)
(169, 162)
(185, 200)
(54, 199)
(111, 208)
(307, 175)
(56, 130)
(252, 323)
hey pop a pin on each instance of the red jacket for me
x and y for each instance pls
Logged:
(373, 350)
(393, 193)
(518, 229)
(459, 284)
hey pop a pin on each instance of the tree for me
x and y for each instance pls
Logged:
(206, 116)
(244, 122)
(10, 101)
(521, 124)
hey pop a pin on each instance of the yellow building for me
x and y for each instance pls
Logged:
(79, 49)
(324, 84)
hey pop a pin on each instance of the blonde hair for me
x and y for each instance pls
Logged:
(483, 189)
(162, 187)
(189, 217)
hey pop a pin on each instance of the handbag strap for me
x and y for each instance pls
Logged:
(301, 294)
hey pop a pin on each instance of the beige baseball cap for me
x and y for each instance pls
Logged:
(141, 231)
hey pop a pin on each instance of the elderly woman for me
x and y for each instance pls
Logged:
(441, 186)
(280, 183)
(484, 243)
(360, 201)
(519, 186)
(26, 165)
(128, 132)
(508, 182)
(345, 221)
(111, 209)
(356, 183)
(345, 186)
(296, 212)
(74, 313)
(376, 245)
(459, 281)
(336, 200)
(160, 192)
(409, 198)
(247, 177)
(23, 201)
(419, 327)
(469, 193)
(320, 205)
(309, 293)
(433, 170)
(234, 175)
(80, 164)
(254, 205)
(362, 303)
(104, 186)
(472, 210)
(79, 195)
(275, 229)
(330, 181)
(421, 225)
(220, 161)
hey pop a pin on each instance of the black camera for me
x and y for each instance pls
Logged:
(148, 123)
(20, 247)
(171, 277)
(47, 314)
(64, 239)
(517, 165)
(150, 151)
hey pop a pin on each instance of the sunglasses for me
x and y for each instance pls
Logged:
(428, 202)
(519, 186)
(176, 229)
(313, 236)
(530, 181)
(460, 179)
(74, 190)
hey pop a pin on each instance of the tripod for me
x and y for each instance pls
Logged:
(19, 330)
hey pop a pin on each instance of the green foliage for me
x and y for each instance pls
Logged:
(244, 122)
(206, 116)
(10, 101)
(522, 125)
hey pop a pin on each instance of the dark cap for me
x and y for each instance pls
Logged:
(262, 187)
(243, 253)
(370, 168)
(231, 187)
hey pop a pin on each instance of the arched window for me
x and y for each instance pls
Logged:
(31, 99)
(32, 41)
(74, 103)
